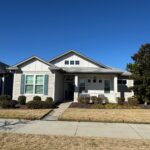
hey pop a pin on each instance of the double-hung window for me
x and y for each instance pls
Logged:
(34, 84)
(39, 84)
(29, 84)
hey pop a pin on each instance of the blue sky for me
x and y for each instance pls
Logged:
(109, 31)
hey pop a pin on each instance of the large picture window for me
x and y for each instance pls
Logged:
(34, 84)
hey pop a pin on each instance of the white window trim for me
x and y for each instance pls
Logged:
(34, 84)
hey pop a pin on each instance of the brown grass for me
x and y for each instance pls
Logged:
(29, 114)
(107, 115)
(43, 142)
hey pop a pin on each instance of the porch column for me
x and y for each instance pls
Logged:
(3, 85)
(115, 86)
(76, 91)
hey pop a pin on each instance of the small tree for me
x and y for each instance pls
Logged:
(140, 69)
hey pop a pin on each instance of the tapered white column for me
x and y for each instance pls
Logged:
(76, 91)
(115, 86)
(3, 85)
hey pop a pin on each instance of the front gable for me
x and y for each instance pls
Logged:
(34, 66)
(74, 56)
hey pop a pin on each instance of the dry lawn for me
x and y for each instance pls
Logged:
(107, 115)
(29, 114)
(43, 142)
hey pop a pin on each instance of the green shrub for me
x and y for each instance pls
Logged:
(8, 104)
(5, 104)
(37, 98)
(120, 100)
(133, 101)
(49, 99)
(13, 103)
(99, 100)
(5, 97)
(22, 100)
(40, 104)
(35, 104)
(105, 100)
(84, 99)
(94, 99)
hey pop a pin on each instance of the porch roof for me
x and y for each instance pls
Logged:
(91, 70)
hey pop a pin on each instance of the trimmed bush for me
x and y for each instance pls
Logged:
(5, 104)
(9, 104)
(37, 98)
(98, 100)
(133, 101)
(5, 97)
(94, 99)
(22, 100)
(35, 104)
(13, 103)
(120, 100)
(105, 100)
(84, 99)
(49, 99)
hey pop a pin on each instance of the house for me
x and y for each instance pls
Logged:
(67, 76)
(6, 80)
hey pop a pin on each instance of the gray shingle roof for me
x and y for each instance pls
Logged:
(90, 70)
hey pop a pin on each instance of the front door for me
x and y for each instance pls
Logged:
(69, 88)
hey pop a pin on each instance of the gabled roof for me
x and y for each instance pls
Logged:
(80, 55)
(15, 67)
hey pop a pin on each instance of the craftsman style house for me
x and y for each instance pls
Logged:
(67, 76)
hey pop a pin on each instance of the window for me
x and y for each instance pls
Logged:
(66, 62)
(71, 62)
(29, 84)
(77, 62)
(39, 84)
(100, 81)
(82, 86)
(34, 84)
(107, 86)
(89, 80)
(94, 80)
(124, 82)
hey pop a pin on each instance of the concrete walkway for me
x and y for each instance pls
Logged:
(87, 129)
(53, 116)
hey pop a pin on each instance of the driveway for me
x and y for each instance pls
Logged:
(113, 130)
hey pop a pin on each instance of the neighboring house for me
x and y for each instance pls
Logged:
(6, 80)
(67, 76)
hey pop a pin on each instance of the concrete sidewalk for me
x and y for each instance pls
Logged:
(113, 130)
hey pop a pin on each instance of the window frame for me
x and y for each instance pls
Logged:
(71, 61)
(121, 82)
(34, 84)
(66, 62)
(77, 62)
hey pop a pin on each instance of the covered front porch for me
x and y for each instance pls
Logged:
(91, 84)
